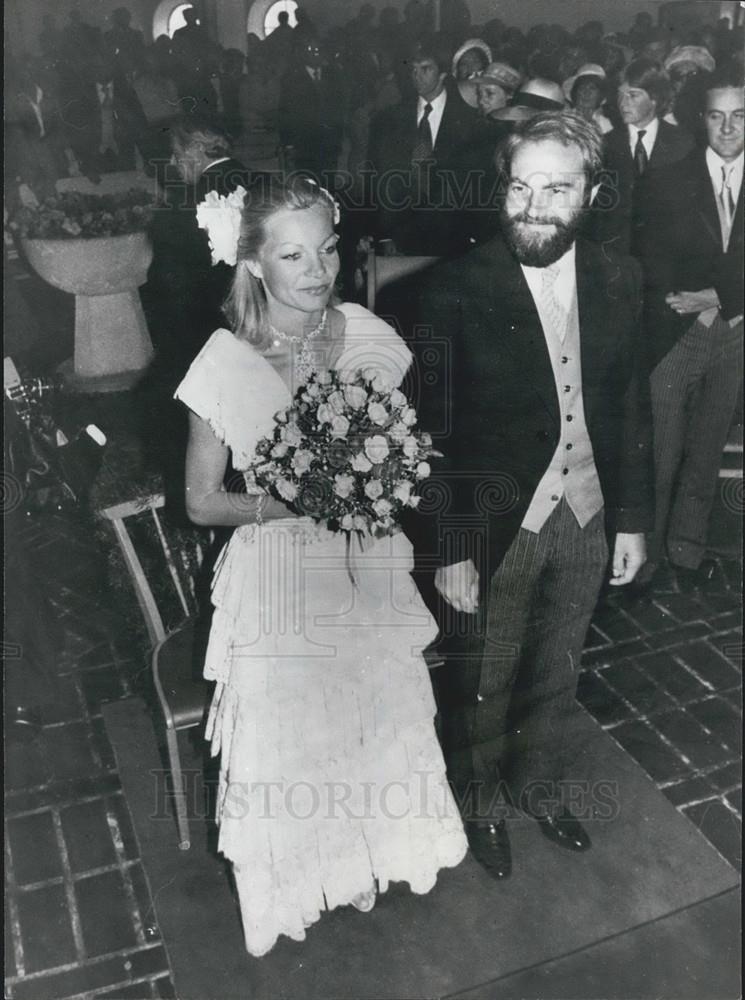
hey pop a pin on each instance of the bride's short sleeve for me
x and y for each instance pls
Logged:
(236, 391)
(203, 388)
(369, 342)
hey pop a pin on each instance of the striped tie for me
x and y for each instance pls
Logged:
(553, 311)
(725, 197)
(423, 146)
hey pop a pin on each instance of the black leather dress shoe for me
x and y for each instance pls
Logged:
(690, 581)
(490, 845)
(564, 830)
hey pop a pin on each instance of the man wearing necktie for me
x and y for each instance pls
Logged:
(692, 247)
(540, 407)
(35, 136)
(105, 121)
(634, 152)
(424, 154)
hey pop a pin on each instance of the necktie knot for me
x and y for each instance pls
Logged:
(642, 132)
(427, 109)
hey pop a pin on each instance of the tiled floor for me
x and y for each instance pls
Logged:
(662, 674)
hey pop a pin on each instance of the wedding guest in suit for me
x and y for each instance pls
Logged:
(692, 251)
(106, 122)
(635, 151)
(541, 409)
(35, 134)
(311, 111)
(422, 152)
(124, 46)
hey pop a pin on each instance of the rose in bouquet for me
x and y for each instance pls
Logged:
(346, 453)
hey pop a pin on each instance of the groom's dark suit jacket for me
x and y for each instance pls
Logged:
(486, 390)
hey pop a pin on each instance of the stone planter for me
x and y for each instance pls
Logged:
(112, 343)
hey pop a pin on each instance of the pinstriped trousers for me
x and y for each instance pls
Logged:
(507, 695)
(694, 393)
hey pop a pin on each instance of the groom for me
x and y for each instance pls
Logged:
(543, 416)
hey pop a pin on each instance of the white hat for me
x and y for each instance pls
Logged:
(589, 69)
(535, 96)
(695, 54)
(471, 43)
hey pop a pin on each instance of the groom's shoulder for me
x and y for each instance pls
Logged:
(474, 271)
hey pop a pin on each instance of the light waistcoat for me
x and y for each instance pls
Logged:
(572, 473)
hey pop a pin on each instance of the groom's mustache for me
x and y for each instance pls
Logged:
(543, 221)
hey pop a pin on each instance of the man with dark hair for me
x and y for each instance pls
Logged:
(635, 151)
(692, 252)
(423, 152)
(541, 410)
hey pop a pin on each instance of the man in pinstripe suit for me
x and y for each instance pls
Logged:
(543, 418)
(692, 251)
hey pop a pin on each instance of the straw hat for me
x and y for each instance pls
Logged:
(500, 73)
(535, 96)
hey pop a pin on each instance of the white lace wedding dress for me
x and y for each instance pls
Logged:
(331, 773)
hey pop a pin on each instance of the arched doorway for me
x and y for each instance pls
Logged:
(169, 17)
(263, 15)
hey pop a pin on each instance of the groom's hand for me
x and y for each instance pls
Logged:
(459, 585)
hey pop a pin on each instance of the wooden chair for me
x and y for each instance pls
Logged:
(182, 694)
(383, 271)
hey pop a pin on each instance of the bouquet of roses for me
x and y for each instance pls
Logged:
(346, 452)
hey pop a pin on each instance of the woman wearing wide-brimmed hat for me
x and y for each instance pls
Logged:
(469, 62)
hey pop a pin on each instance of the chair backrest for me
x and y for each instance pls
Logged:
(137, 523)
(382, 271)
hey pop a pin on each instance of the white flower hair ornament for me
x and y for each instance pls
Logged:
(220, 216)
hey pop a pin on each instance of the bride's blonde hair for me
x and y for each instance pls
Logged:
(245, 306)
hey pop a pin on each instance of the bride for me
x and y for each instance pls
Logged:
(332, 782)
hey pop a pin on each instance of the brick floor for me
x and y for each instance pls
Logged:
(662, 675)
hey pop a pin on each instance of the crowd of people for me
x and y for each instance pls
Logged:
(585, 193)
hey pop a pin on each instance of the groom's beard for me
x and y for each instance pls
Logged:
(539, 247)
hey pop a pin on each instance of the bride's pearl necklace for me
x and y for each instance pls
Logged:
(304, 366)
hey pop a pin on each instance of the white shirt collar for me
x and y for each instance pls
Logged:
(649, 138)
(714, 163)
(435, 115)
(566, 280)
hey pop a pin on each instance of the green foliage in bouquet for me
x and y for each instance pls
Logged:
(73, 215)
